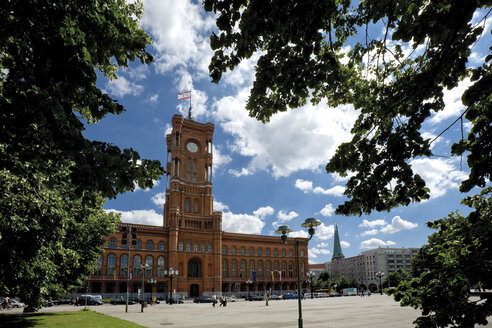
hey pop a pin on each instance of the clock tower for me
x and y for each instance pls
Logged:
(188, 210)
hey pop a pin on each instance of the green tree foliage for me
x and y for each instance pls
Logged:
(395, 278)
(458, 256)
(303, 55)
(396, 79)
(53, 180)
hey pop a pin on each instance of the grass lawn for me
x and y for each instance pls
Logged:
(77, 319)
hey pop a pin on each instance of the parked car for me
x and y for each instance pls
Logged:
(202, 299)
(322, 295)
(121, 300)
(16, 304)
(335, 294)
(255, 298)
(275, 297)
(175, 300)
(89, 300)
(289, 296)
(63, 301)
(230, 298)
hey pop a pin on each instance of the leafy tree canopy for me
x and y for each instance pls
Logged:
(395, 79)
(53, 180)
(458, 257)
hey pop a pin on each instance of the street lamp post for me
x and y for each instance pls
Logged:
(249, 282)
(171, 273)
(380, 275)
(142, 267)
(310, 223)
(311, 275)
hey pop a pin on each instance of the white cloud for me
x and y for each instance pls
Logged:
(324, 232)
(218, 206)
(219, 159)
(304, 185)
(334, 191)
(344, 244)
(328, 210)
(299, 234)
(301, 139)
(453, 105)
(121, 87)
(314, 252)
(159, 199)
(440, 174)
(323, 244)
(242, 223)
(243, 172)
(307, 186)
(180, 31)
(374, 243)
(284, 217)
(371, 232)
(149, 217)
(245, 223)
(265, 211)
(371, 224)
(398, 224)
(154, 98)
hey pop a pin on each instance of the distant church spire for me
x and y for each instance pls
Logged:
(337, 249)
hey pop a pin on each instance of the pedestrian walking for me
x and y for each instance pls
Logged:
(214, 299)
(267, 296)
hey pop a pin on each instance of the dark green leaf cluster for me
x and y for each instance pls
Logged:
(301, 46)
(53, 180)
(457, 258)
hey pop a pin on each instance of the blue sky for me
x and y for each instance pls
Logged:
(265, 175)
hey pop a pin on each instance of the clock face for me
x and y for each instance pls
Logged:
(191, 146)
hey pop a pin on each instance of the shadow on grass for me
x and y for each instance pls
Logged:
(21, 319)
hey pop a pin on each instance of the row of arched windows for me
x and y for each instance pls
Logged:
(259, 252)
(245, 269)
(154, 268)
(149, 245)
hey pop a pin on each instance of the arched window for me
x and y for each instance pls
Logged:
(251, 251)
(137, 260)
(224, 268)
(187, 205)
(259, 252)
(150, 245)
(224, 250)
(194, 268)
(160, 266)
(233, 250)
(112, 243)
(242, 269)
(275, 266)
(195, 247)
(233, 268)
(124, 265)
(195, 206)
(98, 269)
(275, 252)
(283, 252)
(209, 248)
(188, 246)
(188, 169)
(111, 265)
(267, 252)
(251, 268)
(149, 260)
(242, 250)
(139, 244)
(291, 269)
(161, 245)
(284, 269)
(260, 269)
(290, 253)
(268, 269)
(180, 246)
(302, 269)
(195, 163)
(302, 253)
(202, 248)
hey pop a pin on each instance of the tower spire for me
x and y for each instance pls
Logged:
(337, 249)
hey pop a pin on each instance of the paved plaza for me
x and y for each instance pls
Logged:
(341, 312)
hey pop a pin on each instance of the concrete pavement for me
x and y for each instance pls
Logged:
(340, 312)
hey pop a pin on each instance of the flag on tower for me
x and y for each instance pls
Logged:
(184, 95)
